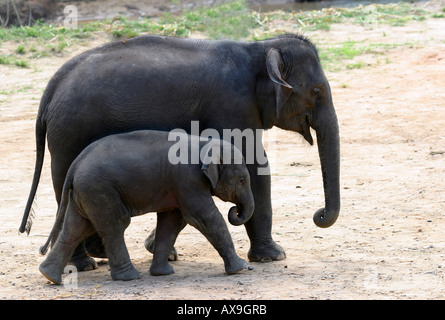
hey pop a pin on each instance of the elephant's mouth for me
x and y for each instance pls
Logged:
(305, 129)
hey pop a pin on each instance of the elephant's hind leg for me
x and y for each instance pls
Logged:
(169, 224)
(59, 166)
(121, 267)
(111, 228)
(75, 229)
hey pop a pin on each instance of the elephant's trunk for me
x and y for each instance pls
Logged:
(242, 212)
(328, 141)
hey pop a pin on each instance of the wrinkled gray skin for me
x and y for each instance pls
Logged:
(126, 175)
(163, 83)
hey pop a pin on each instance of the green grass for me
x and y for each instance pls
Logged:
(46, 31)
(392, 14)
(12, 60)
(336, 57)
(20, 49)
(355, 65)
(368, 16)
(232, 20)
(346, 50)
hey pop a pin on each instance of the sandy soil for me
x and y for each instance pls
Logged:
(388, 242)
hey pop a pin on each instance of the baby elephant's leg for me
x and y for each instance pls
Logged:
(81, 260)
(169, 224)
(75, 229)
(214, 228)
(121, 267)
(149, 244)
(111, 227)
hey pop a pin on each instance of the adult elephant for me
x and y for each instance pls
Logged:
(163, 83)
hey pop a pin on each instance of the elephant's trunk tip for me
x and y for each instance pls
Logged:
(238, 217)
(324, 220)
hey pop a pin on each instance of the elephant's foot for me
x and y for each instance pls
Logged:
(149, 244)
(51, 272)
(161, 269)
(266, 252)
(83, 263)
(127, 273)
(235, 265)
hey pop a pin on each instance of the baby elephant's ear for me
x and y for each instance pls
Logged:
(212, 173)
(211, 161)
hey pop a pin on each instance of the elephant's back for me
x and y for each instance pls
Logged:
(125, 151)
(128, 167)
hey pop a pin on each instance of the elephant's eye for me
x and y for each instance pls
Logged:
(242, 180)
(316, 91)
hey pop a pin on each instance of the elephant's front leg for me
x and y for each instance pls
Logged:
(205, 216)
(259, 226)
(95, 246)
(81, 260)
(149, 244)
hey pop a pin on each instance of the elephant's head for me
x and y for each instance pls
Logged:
(296, 96)
(229, 179)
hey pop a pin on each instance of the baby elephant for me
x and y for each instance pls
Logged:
(129, 174)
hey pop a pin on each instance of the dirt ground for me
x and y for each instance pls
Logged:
(388, 242)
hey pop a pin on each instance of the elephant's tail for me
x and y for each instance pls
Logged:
(60, 217)
(40, 153)
(41, 129)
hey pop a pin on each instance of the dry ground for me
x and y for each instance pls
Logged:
(388, 242)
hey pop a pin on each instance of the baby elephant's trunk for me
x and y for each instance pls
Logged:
(239, 215)
(245, 205)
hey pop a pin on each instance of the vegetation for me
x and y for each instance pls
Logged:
(226, 21)
(12, 60)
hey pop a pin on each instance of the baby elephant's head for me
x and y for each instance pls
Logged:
(229, 178)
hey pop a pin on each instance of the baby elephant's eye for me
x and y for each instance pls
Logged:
(316, 91)
(242, 180)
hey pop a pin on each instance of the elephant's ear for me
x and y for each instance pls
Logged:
(211, 161)
(282, 88)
